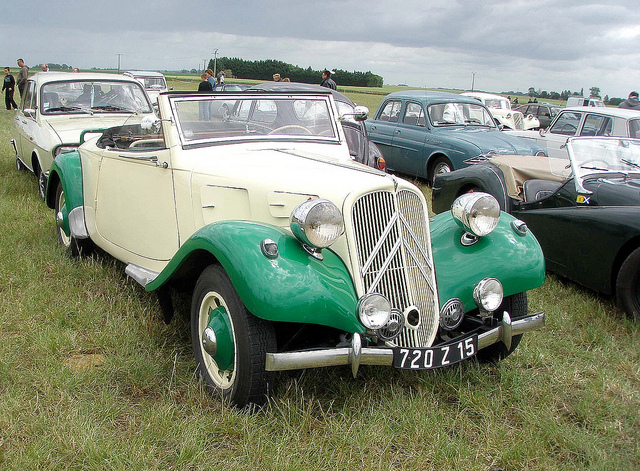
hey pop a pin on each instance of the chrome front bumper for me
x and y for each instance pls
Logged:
(356, 355)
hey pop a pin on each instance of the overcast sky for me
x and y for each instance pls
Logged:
(508, 44)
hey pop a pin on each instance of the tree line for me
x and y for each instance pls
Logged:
(264, 70)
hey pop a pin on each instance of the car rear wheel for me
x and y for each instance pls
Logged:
(237, 367)
(515, 305)
(628, 285)
(74, 247)
(440, 165)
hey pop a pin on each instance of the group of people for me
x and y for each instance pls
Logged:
(327, 81)
(209, 83)
(9, 83)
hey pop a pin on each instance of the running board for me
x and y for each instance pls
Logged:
(141, 275)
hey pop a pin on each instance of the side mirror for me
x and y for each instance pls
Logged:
(360, 113)
(29, 113)
(542, 131)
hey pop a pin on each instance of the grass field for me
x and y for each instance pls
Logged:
(91, 378)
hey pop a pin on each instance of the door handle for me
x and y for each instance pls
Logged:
(147, 158)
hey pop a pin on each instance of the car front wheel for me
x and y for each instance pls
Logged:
(440, 165)
(516, 306)
(237, 366)
(628, 285)
(74, 247)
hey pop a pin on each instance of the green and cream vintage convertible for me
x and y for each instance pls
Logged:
(295, 255)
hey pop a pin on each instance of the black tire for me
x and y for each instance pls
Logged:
(42, 181)
(247, 381)
(73, 246)
(440, 165)
(628, 286)
(515, 305)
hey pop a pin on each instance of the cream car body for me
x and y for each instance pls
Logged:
(500, 108)
(295, 255)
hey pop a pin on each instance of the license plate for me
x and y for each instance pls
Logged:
(435, 357)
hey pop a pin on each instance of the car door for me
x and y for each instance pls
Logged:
(134, 201)
(566, 125)
(382, 130)
(409, 141)
(552, 222)
(26, 125)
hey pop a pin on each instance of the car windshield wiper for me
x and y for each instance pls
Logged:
(630, 163)
(64, 108)
(70, 108)
(112, 108)
(587, 167)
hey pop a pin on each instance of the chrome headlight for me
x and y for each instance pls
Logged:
(488, 294)
(477, 212)
(316, 222)
(63, 150)
(374, 310)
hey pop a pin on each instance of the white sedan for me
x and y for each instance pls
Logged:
(58, 106)
(584, 121)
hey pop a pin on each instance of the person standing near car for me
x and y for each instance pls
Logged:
(9, 85)
(44, 67)
(327, 81)
(210, 78)
(205, 106)
(23, 75)
(631, 103)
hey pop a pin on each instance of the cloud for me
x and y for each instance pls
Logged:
(511, 45)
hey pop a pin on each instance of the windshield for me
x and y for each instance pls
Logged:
(231, 117)
(496, 103)
(93, 97)
(591, 156)
(153, 83)
(468, 114)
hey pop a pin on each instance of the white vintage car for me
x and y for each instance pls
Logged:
(584, 121)
(58, 106)
(500, 108)
(294, 255)
(154, 83)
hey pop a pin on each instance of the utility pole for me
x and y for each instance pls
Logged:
(473, 80)
(215, 61)
(119, 55)
(204, 65)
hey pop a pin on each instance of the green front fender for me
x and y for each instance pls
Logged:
(295, 287)
(515, 260)
(67, 169)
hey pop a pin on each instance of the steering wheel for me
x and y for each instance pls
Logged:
(290, 127)
(568, 127)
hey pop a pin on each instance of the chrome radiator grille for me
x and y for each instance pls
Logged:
(518, 120)
(392, 242)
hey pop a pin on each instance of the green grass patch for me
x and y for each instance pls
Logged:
(91, 378)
